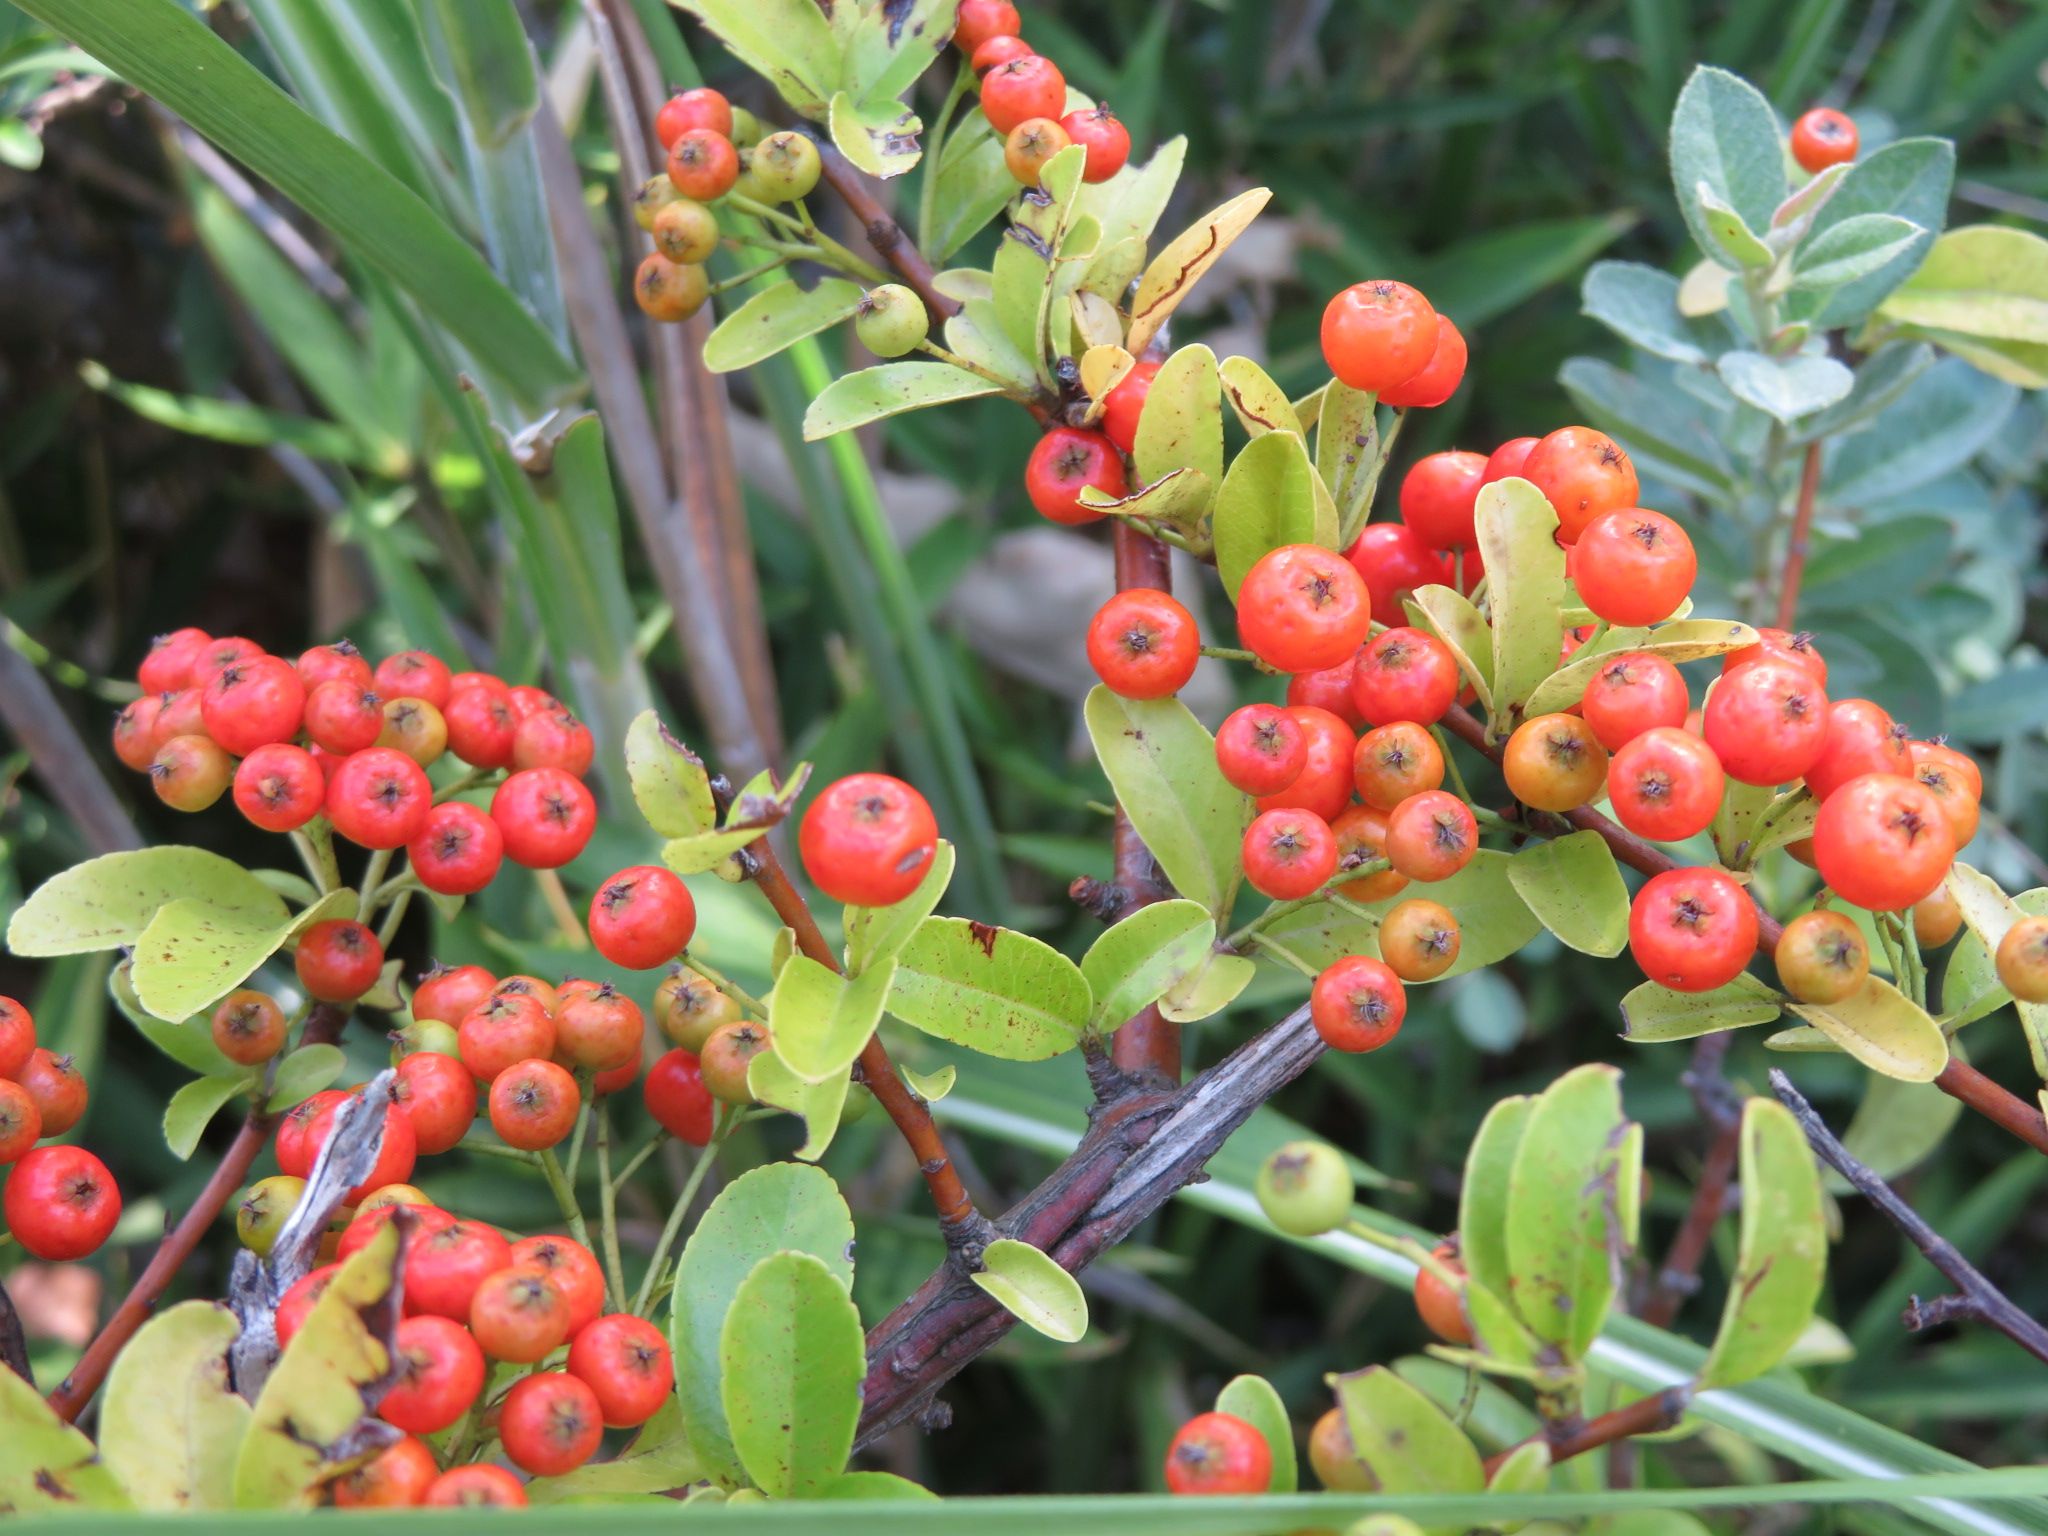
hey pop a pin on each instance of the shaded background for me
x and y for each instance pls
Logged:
(1484, 152)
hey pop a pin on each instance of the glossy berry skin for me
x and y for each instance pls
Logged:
(1218, 1453)
(416, 728)
(1108, 142)
(1881, 842)
(553, 738)
(1583, 474)
(518, 1315)
(981, 20)
(502, 1032)
(412, 675)
(1306, 1189)
(1953, 786)
(2022, 960)
(1323, 787)
(1431, 836)
(1438, 379)
(1766, 722)
(703, 165)
(393, 1479)
(1405, 675)
(136, 735)
(1631, 694)
(481, 727)
(545, 816)
(338, 960)
(61, 1203)
(248, 1027)
(168, 666)
(529, 986)
(1065, 462)
(1861, 738)
(624, 1360)
(439, 1096)
(1260, 749)
(1823, 137)
(1328, 689)
(598, 1027)
(1419, 939)
(1030, 145)
(571, 1267)
(699, 108)
(688, 1008)
(444, 1268)
(1554, 763)
(550, 1424)
(279, 787)
(181, 716)
(1022, 89)
(58, 1088)
(867, 840)
(1394, 561)
(1634, 567)
(1302, 608)
(1289, 854)
(1438, 496)
(379, 798)
(440, 1372)
(189, 773)
(1123, 405)
(677, 1098)
(318, 664)
(1357, 1004)
(1507, 461)
(1361, 834)
(396, 1154)
(1666, 784)
(1937, 918)
(1392, 762)
(458, 851)
(892, 320)
(1821, 957)
(726, 1058)
(1779, 645)
(252, 703)
(294, 1153)
(1692, 929)
(1143, 644)
(17, 1037)
(21, 1123)
(1378, 334)
(343, 717)
(1441, 1306)
(533, 1105)
(669, 291)
(642, 917)
(447, 993)
(477, 1486)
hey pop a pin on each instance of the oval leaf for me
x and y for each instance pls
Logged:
(993, 990)
(855, 399)
(1136, 962)
(1651, 1012)
(1178, 267)
(1033, 1289)
(818, 1021)
(1525, 587)
(1253, 1399)
(107, 902)
(1575, 889)
(302, 1074)
(193, 951)
(170, 1426)
(1564, 1246)
(791, 1358)
(1882, 1028)
(819, 1105)
(875, 934)
(1261, 404)
(1181, 426)
(1406, 1441)
(193, 1107)
(1782, 1254)
(1267, 499)
(776, 318)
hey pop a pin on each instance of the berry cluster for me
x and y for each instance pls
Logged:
(1024, 98)
(60, 1202)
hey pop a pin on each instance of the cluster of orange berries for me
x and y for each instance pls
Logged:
(60, 1202)
(1024, 98)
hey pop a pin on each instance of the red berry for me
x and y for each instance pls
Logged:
(624, 1360)
(1554, 763)
(1665, 784)
(477, 1486)
(248, 1027)
(440, 1372)
(550, 1424)
(518, 1315)
(981, 20)
(1405, 674)
(1631, 694)
(294, 1151)
(1302, 608)
(343, 717)
(481, 726)
(21, 1122)
(998, 50)
(279, 787)
(1323, 786)
(867, 840)
(1779, 645)
(338, 960)
(17, 1037)
(253, 702)
(1218, 1453)
(545, 816)
(1692, 929)
(1143, 644)
(439, 1096)
(1020, 90)
(1289, 854)
(1431, 836)
(324, 663)
(446, 993)
(703, 165)
(553, 738)
(1066, 461)
(1107, 141)
(293, 1306)
(180, 716)
(1441, 1308)
(572, 1268)
(379, 798)
(58, 1088)
(678, 1099)
(1123, 405)
(394, 1479)
(1378, 334)
(502, 1031)
(413, 675)
(1393, 762)
(1506, 461)
(1438, 379)
(599, 1027)
(642, 918)
(533, 1104)
(1261, 749)
(458, 851)
(216, 654)
(1821, 138)
(1634, 567)
(1582, 473)
(60, 1202)
(444, 1267)
(699, 108)
(396, 1153)
(189, 773)
(1327, 689)
(1438, 498)
(1861, 738)
(1881, 842)
(1766, 722)
(1357, 1004)
(1394, 561)
(168, 666)
(360, 1232)
(136, 731)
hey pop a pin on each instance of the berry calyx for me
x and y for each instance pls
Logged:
(1030, 144)
(1261, 749)
(1393, 762)
(1107, 141)
(61, 1203)
(1357, 1004)
(545, 816)
(1882, 842)
(1554, 763)
(1419, 940)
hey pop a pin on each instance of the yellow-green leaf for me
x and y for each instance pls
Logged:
(1178, 267)
(1651, 1012)
(108, 902)
(170, 1426)
(1032, 1288)
(772, 320)
(1882, 1028)
(791, 1357)
(1575, 889)
(1253, 1399)
(1261, 404)
(1449, 615)
(658, 1459)
(1483, 1199)
(819, 1105)
(49, 1467)
(875, 934)
(1268, 499)
(193, 952)
(1680, 641)
(1782, 1253)
(1564, 1246)
(1181, 426)
(1409, 1444)
(993, 990)
(819, 1021)
(1161, 761)
(1525, 591)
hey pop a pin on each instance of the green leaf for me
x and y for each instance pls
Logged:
(1730, 240)
(1908, 177)
(819, 1021)
(1161, 761)
(791, 1358)
(1640, 305)
(1260, 404)
(669, 782)
(1880, 379)
(762, 1212)
(1854, 248)
(1268, 499)
(237, 422)
(1128, 207)
(1982, 293)
(761, 804)
(166, 51)
(192, 952)
(106, 903)
(1942, 421)
(1896, 1126)
(1139, 960)
(1525, 586)
(975, 185)
(1725, 140)
(1988, 913)
(1178, 267)
(1493, 920)
(879, 137)
(170, 1425)
(658, 1459)
(1882, 1028)
(789, 42)
(188, 1042)
(1033, 1289)
(1483, 1199)
(1782, 1256)
(1408, 1443)
(50, 1467)
(1785, 388)
(819, 1105)
(870, 1486)
(1575, 889)
(1179, 498)
(1253, 1399)
(1347, 438)
(993, 990)
(1181, 426)
(1680, 641)
(302, 1074)
(1651, 1012)
(1450, 616)
(873, 394)
(876, 934)
(776, 318)
(894, 44)
(1564, 1248)
(1209, 990)
(193, 1107)
(1525, 1470)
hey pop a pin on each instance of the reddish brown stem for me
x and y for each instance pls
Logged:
(1679, 1276)
(1644, 1416)
(323, 1027)
(957, 1216)
(1960, 1080)
(1802, 531)
(884, 234)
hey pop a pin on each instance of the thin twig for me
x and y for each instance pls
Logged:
(1977, 1298)
(1802, 531)
(1645, 1416)
(888, 238)
(31, 713)
(1720, 1109)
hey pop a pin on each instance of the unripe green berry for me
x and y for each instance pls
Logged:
(686, 232)
(261, 1215)
(746, 129)
(786, 166)
(891, 320)
(749, 185)
(859, 1100)
(424, 1035)
(655, 194)
(1305, 1189)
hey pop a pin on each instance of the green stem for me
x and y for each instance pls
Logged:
(469, 781)
(1492, 821)
(1008, 385)
(935, 147)
(1451, 769)
(373, 880)
(727, 284)
(565, 1197)
(1252, 930)
(304, 849)
(582, 1132)
(318, 837)
(1227, 653)
(388, 929)
(491, 1147)
(1282, 953)
(679, 1213)
(607, 1209)
(725, 984)
(633, 1163)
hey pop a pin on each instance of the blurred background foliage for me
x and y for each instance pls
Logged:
(209, 414)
